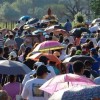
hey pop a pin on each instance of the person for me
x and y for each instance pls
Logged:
(13, 56)
(23, 57)
(11, 43)
(1, 40)
(96, 65)
(27, 43)
(78, 68)
(31, 89)
(53, 64)
(6, 52)
(1, 54)
(12, 87)
(19, 40)
(4, 95)
(32, 73)
(88, 72)
(68, 26)
(45, 60)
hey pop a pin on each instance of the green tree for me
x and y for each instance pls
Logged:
(95, 5)
(8, 13)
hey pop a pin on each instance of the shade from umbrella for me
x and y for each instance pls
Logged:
(79, 57)
(51, 57)
(64, 81)
(48, 45)
(13, 68)
(77, 92)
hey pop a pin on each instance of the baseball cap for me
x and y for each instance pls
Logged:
(93, 50)
(13, 54)
(41, 70)
(46, 36)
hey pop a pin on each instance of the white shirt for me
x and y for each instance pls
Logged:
(27, 77)
(51, 74)
(31, 90)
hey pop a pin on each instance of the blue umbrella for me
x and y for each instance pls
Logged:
(26, 18)
(13, 68)
(77, 93)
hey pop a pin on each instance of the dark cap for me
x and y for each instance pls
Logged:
(43, 58)
(93, 50)
(41, 70)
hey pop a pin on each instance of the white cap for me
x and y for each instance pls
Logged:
(46, 36)
(13, 54)
(38, 64)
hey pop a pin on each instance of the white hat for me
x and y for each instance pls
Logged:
(38, 64)
(13, 54)
(46, 36)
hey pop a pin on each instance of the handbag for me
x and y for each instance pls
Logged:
(19, 97)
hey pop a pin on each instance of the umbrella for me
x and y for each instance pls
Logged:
(32, 21)
(51, 57)
(79, 57)
(96, 21)
(13, 68)
(78, 31)
(62, 31)
(26, 18)
(48, 45)
(52, 28)
(77, 92)
(94, 28)
(62, 81)
(38, 31)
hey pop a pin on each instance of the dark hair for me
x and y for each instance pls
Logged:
(51, 34)
(11, 36)
(11, 78)
(78, 66)
(61, 39)
(27, 51)
(78, 47)
(29, 63)
(1, 50)
(90, 45)
(69, 46)
(87, 73)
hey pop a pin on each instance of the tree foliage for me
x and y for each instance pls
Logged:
(95, 5)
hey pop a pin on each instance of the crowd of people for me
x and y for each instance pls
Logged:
(19, 45)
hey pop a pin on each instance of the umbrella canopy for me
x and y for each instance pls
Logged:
(26, 18)
(77, 92)
(78, 31)
(62, 31)
(79, 57)
(96, 21)
(38, 31)
(52, 28)
(32, 21)
(94, 28)
(13, 68)
(62, 81)
(48, 45)
(51, 57)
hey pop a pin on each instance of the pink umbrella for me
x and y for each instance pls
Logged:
(63, 81)
(48, 45)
